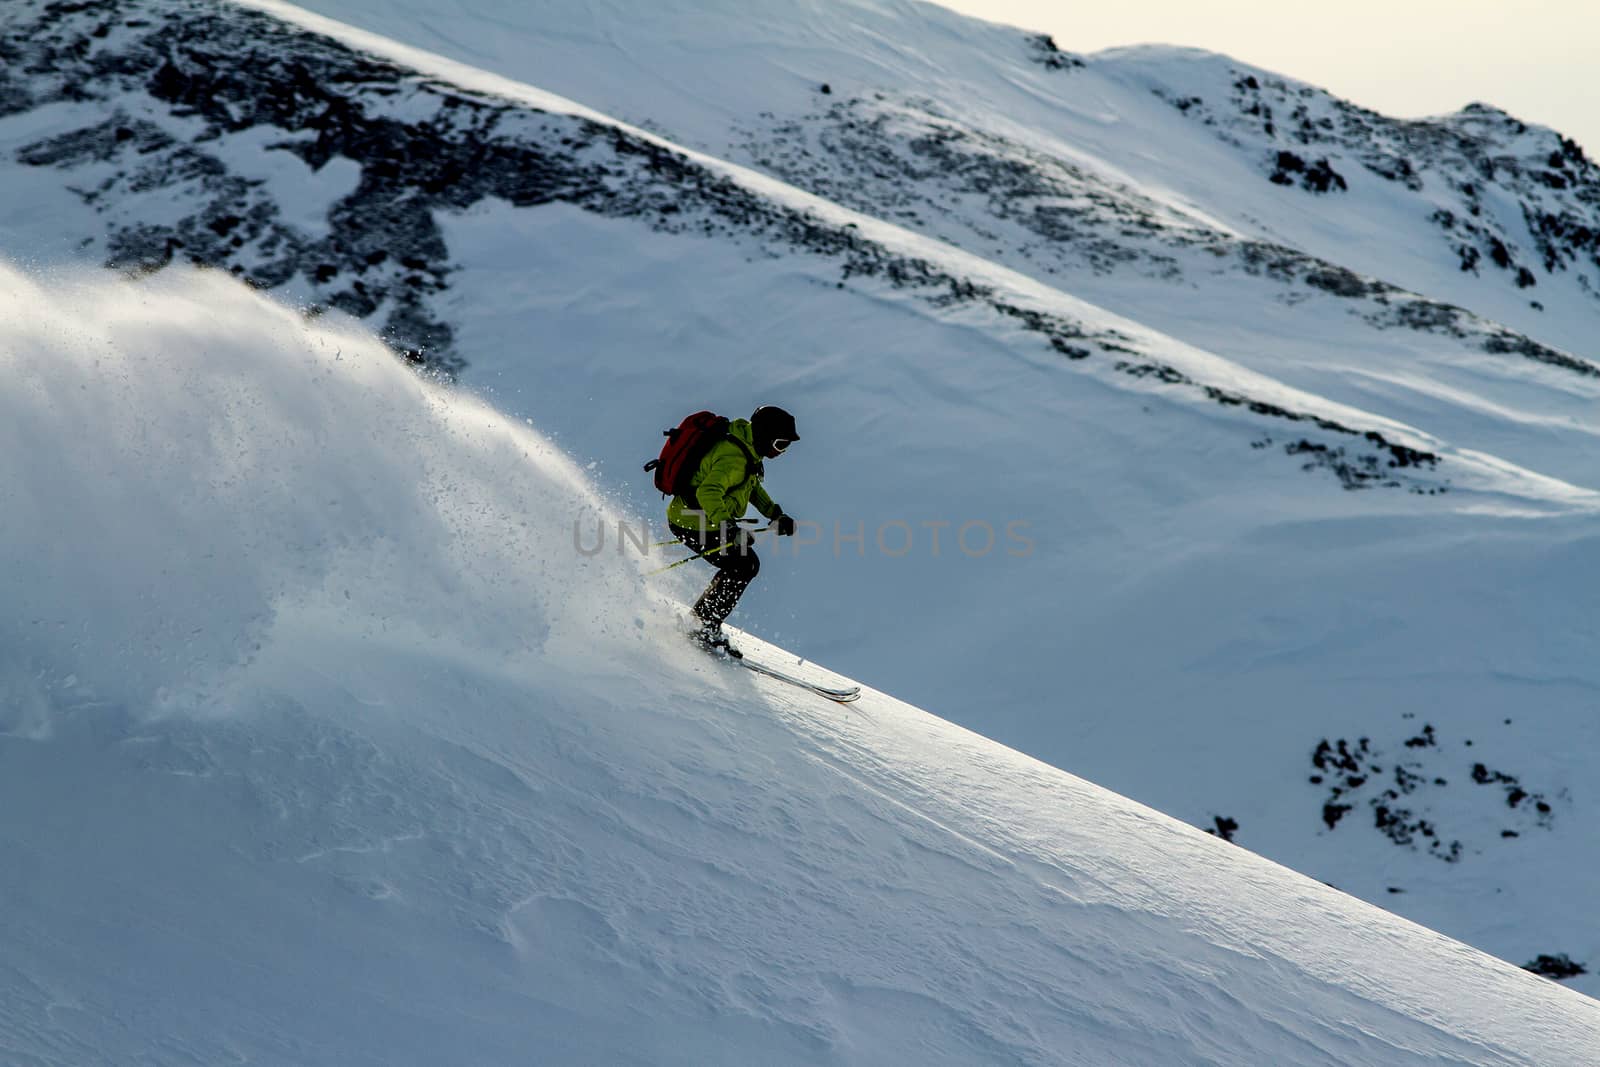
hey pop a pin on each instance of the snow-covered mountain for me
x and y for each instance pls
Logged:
(1087, 352)
(312, 751)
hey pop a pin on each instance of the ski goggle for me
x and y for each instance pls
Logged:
(780, 443)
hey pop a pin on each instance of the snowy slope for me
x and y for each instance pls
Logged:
(1191, 615)
(1196, 132)
(1177, 188)
(317, 747)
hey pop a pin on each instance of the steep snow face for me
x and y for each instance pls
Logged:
(321, 744)
(1088, 537)
(259, 469)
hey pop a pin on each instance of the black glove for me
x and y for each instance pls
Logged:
(784, 525)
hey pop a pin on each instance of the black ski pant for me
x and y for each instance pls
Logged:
(736, 565)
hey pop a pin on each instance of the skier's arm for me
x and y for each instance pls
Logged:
(764, 503)
(711, 494)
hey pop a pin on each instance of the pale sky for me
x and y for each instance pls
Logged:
(1538, 59)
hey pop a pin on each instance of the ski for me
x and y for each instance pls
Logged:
(725, 653)
(838, 696)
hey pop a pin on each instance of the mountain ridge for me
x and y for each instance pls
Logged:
(355, 244)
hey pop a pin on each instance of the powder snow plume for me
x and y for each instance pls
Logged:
(194, 473)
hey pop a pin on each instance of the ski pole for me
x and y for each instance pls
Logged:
(675, 541)
(690, 559)
(703, 555)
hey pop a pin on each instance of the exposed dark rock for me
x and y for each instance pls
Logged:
(1042, 49)
(1514, 791)
(100, 143)
(1558, 967)
(1353, 773)
(1361, 470)
(1549, 177)
(1425, 739)
(1338, 281)
(1317, 177)
(1499, 254)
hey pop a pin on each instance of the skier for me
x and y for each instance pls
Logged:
(706, 518)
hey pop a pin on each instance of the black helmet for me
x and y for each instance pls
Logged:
(770, 424)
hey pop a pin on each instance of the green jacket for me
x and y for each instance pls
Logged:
(726, 483)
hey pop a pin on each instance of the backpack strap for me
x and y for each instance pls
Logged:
(668, 434)
(755, 460)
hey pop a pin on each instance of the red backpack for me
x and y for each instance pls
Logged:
(686, 446)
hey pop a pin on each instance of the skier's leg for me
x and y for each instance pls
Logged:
(736, 565)
(735, 571)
